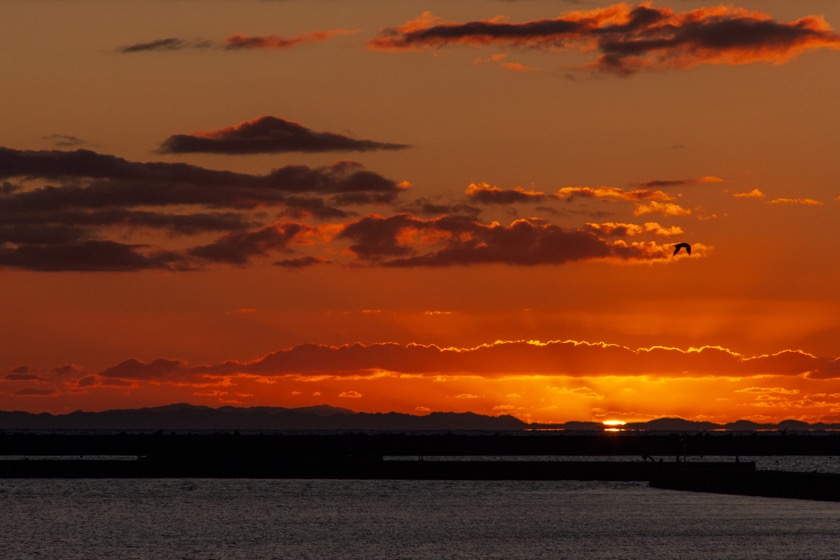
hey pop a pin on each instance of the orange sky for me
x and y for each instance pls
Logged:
(422, 206)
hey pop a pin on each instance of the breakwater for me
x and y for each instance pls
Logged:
(663, 445)
(724, 479)
(728, 478)
(363, 456)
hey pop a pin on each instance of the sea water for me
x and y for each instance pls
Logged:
(204, 519)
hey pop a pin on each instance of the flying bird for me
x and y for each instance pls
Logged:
(679, 246)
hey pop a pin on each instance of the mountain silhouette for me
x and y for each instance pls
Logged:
(187, 417)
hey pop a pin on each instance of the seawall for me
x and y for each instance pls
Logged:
(749, 482)
(727, 478)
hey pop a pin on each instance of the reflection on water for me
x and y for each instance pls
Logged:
(262, 519)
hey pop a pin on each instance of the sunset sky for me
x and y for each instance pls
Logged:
(422, 205)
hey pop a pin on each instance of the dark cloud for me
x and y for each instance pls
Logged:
(630, 39)
(113, 181)
(66, 370)
(238, 248)
(72, 210)
(87, 381)
(8, 188)
(135, 369)
(487, 194)
(426, 207)
(298, 207)
(269, 134)
(88, 256)
(21, 229)
(23, 377)
(829, 370)
(407, 241)
(376, 237)
(62, 226)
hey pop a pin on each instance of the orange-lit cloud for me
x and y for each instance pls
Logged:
(755, 193)
(666, 208)
(631, 38)
(625, 230)
(800, 201)
(268, 134)
(501, 358)
(544, 381)
(611, 193)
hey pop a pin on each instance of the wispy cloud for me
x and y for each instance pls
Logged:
(64, 140)
(167, 44)
(670, 183)
(629, 39)
(276, 42)
(235, 41)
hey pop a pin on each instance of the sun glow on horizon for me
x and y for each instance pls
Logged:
(613, 425)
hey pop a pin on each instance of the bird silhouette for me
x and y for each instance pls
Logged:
(679, 246)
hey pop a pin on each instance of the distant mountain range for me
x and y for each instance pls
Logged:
(190, 417)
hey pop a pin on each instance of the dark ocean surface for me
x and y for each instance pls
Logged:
(202, 519)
